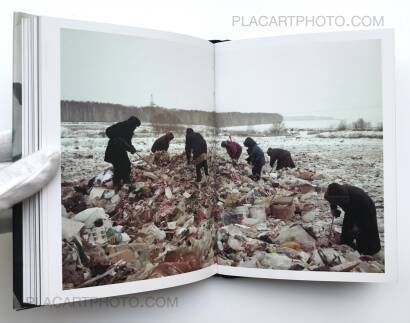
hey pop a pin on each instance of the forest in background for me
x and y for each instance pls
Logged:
(78, 111)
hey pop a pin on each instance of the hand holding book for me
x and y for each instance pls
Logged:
(25, 177)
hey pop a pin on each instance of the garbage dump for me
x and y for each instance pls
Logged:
(160, 224)
(281, 222)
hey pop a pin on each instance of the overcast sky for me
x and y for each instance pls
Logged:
(341, 80)
(335, 79)
(125, 69)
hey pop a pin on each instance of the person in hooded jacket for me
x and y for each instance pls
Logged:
(195, 146)
(120, 136)
(256, 157)
(359, 230)
(233, 149)
(162, 143)
(282, 156)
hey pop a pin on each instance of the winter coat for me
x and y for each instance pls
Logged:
(195, 145)
(233, 149)
(162, 143)
(256, 155)
(360, 219)
(282, 156)
(120, 135)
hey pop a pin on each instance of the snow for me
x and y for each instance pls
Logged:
(289, 124)
(344, 160)
(346, 157)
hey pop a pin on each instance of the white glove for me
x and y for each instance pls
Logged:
(26, 176)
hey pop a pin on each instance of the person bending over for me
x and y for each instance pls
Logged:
(359, 228)
(233, 149)
(162, 143)
(282, 156)
(256, 158)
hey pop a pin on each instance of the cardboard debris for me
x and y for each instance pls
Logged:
(160, 224)
(163, 224)
(295, 232)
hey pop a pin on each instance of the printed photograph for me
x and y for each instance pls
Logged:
(137, 187)
(259, 154)
(301, 188)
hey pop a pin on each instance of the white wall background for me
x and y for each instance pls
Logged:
(217, 299)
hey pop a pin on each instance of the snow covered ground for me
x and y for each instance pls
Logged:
(354, 161)
(346, 159)
(289, 124)
(83, 147)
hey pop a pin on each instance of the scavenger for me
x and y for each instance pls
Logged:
(233, 149)
(282, 156)
(195, 146)
(256, 158)
(120, 135)
(359, 228)
(162, 143)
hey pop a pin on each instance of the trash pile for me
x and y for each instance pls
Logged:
(160, 224)
(281, 222)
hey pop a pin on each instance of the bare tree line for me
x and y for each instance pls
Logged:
(76, 111)
(359, 125)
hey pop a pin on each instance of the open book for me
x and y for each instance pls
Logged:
(183, 158)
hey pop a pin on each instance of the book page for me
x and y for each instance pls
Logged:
(135, 198)
(306, 167)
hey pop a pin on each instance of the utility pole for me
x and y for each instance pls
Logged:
(152, 103)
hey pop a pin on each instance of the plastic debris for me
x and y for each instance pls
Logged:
(162, 224)
(159, 224)
(71, 229)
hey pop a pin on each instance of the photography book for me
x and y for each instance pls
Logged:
(183, 158)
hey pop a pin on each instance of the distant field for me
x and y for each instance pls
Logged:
(292, 124)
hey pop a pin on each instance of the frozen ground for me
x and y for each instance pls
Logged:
(274, 243)
(356, 161)
(83, 147)
(290, 124)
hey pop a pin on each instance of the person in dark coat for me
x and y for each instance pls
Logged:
(196, 146)
(233, 149)
(162, 143)
(120, 135)
(282, 156)
(359, 228)
(256, 157)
